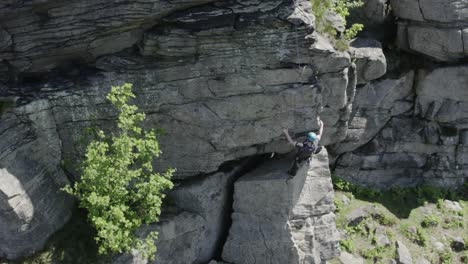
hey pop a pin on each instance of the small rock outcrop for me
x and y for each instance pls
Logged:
(279, 219)
(347, 258)
(403, 255)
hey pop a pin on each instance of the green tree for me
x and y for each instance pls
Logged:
(118, 186)
(340, 7)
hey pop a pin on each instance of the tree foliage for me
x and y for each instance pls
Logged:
(340, 7)
(118, 186)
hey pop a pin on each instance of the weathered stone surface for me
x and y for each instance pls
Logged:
(381, 238)
(422, 260)
(403, 255)
(453, 205)
(357, 216)
(438, 43)
(447, 104)
(431, 10)
(370, 60)
(31, 204)
(47, 34)
(226, 99)
(439, 30)
(424, 146)
(457, 243)
(193, 233)
(444, 11)
(408, 9)
(373, 106)
(347, 258)
(278, 219)
(178, 240)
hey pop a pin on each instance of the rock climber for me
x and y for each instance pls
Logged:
(306, 149)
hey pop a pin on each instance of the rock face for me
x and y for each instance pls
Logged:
(222, 91)
(279, 219)
(31, 205)
(221, 78)
(437, 29)
(432, 153)
(194, 225)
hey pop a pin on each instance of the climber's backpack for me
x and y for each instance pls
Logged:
(308, 148)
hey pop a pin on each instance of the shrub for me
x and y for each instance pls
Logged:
(347, 245)
(340, 7)
(384, 219)
(430, 221)
(445, 257)
(118, 186)
(421, 237)
(374, 254)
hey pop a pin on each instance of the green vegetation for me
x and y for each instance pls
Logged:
(400, 201)
(375, 253)
(347, 245)
(118, 186)
(416, 216)
(383, 218)
(430, 221)
(419, 237)
(340, 7)
(446, 257)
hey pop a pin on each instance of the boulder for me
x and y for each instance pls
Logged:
(357, 216)
(381, 238)
(279, 219)
(370, 60)
(457, 244)
(347, 258)
(32, 205)
(403, 255)
(453, 205)
(422, 260)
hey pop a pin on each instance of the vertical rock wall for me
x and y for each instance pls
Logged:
(408, 128)
(220, 77)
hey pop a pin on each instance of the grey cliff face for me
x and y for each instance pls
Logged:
(222, 78)
(32, 205)
(437, 29)
(281, 219)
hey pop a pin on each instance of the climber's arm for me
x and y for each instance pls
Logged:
(288, 137)
(319, 135)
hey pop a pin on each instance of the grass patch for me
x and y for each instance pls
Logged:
(430, 221)
(416, 216)
(400, 201)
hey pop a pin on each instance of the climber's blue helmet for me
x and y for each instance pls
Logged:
(311, 136)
